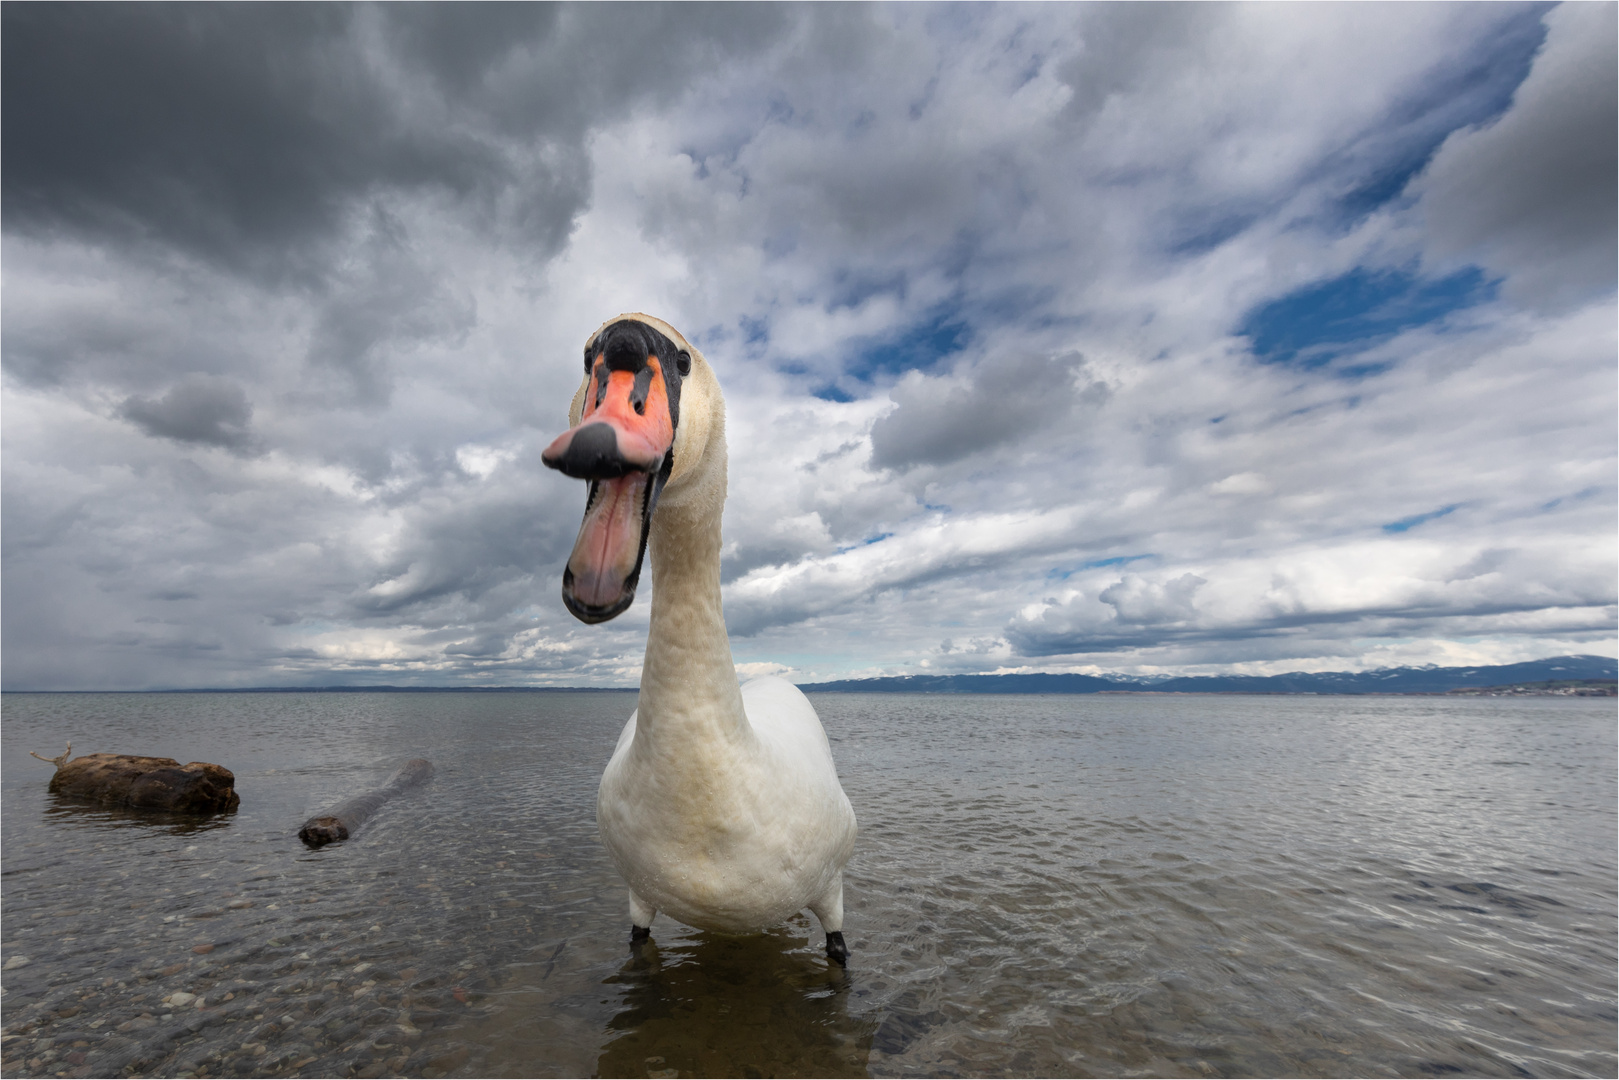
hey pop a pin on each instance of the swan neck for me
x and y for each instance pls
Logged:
(688, 681)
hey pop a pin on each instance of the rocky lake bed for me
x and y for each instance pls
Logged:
(1130, 885)
(218, 993)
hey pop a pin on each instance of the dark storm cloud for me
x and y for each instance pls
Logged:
(242, 133)
(200, 409)
(1474, 88)
(237, 132)
(1533, 195)
(943, 420)
(386, 297)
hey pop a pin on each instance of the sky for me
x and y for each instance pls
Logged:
(1090, 338)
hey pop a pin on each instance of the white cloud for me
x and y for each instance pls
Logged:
(1020, 241)
(1135, 600)
(481, 461)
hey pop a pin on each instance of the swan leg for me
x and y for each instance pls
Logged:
(641, 916)
(829, 910)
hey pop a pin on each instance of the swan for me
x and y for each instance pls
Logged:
(721, 804)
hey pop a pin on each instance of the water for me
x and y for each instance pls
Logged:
(1066, 885)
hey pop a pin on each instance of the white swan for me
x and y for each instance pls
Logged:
(721, 805)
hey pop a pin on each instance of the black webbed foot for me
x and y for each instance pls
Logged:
(639, 934)
(836, 949)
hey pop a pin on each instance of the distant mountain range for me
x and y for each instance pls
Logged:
(1400, 680)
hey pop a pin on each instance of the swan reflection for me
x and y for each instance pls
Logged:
(711, 1005)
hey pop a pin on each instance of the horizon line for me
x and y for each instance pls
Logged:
(1111, 677)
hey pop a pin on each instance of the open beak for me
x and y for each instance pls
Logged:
(622, 446)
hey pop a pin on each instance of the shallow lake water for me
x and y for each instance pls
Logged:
(1105, 885)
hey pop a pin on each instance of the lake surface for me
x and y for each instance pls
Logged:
(1099, 885)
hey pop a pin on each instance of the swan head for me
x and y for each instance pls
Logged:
(641, 429)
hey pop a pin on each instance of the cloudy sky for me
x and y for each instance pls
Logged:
(1054, 338)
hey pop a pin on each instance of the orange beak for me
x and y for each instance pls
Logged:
(621, 445)
(626, 426)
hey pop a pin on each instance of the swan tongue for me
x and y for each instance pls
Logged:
(605, 566)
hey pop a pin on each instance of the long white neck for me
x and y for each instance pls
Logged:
(689, 690)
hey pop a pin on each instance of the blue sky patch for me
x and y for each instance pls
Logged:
(1578, 496)
(832, 393)
(1317, 324)
(919, 346)
(1407, 524)
(754, 331)
(867, 542)
(1116, 560)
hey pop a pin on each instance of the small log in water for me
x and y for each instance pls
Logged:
(345, 819)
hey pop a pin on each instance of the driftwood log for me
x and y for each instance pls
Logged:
(145, 783)
(345, 819)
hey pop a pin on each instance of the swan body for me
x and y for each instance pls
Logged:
(721, 804)
(742, 854)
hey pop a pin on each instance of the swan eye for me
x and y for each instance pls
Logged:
(587, 359)
(683, 362)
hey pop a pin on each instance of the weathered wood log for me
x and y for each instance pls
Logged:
(145, 783)
(345, 819)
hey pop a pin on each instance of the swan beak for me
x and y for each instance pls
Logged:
(622, 446)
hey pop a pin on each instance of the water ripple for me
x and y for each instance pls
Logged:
(1110, 886)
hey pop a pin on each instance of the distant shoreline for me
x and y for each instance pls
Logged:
(1588, 689)
(1557, 676)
